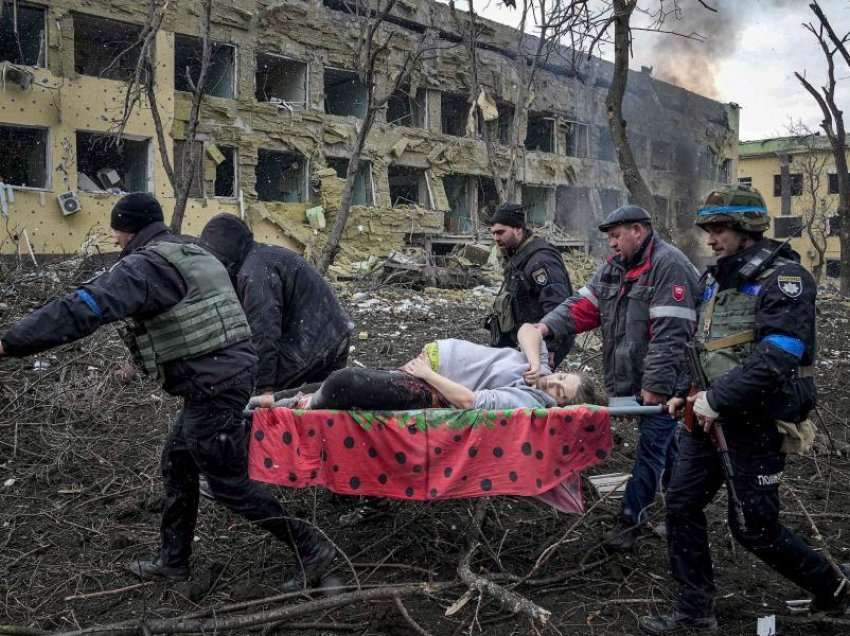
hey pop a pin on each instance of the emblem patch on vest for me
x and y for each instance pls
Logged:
(791, 286)
(678, 293)
(540, 276)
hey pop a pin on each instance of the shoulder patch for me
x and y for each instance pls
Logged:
(678, 293)
(540, 276)
(791, 286)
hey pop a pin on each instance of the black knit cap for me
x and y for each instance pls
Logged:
(511, 214)
(135, 211)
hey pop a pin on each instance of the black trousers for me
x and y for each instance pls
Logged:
(697, 476)
(371, 389)
(210, 437)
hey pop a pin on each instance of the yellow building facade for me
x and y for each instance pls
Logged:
(811, 186)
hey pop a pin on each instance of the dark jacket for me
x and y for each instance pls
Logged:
(767, 384)
(140, 285)
(296, 320)
(646, 310)
(536, 281)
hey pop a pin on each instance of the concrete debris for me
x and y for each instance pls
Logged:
(489, 110)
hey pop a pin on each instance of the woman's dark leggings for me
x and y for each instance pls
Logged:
(372, 389)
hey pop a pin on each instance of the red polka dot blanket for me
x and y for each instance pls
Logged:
(433, 453)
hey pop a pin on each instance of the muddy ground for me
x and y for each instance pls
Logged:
(79, 497)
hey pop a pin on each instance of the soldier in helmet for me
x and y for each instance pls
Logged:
(756, 344)
(535, 281)
(644, 301)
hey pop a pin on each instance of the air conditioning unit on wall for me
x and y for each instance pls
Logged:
(68, 203)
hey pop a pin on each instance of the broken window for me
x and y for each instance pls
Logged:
(281, 81)
(661, 155)
(538, 202)
(488, 199)
(104, 164)
(225, 170)
(746, 181)
(23, 156)
(362, 192)
(105, 48)
(182, 165)
(408, 186)
(575, 139)
(25, 45)
(281, 176)
(796, 184)
(499, 129)
(454, 109)
(457, 219)
(832, 183)
(344, 94)
(605, 151)
(404, 109)
(540, 134)
(187, 61)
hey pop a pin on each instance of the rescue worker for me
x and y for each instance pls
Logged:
(644, 301)
(300, 331)
(535, 282)
(756, 344)
(187, 330)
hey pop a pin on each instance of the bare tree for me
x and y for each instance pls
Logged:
(372, 47)
(813, 163)
(833, 124)
(142, 86)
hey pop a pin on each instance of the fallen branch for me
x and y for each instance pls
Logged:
(512, 601)
(182, 625)
(118, 590)
(407, 617)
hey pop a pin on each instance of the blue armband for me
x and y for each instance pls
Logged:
(788, 344)
(89, 300)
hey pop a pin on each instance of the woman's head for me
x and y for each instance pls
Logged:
(569, 388)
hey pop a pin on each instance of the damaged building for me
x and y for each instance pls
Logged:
(282, 108)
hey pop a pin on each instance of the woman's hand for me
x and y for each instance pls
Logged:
(419, 367)
(532, 375)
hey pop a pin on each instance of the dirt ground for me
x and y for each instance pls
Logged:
(80, 490)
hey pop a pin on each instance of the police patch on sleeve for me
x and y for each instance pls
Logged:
(791, 286)
(540, 276)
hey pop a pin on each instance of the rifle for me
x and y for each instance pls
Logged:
(700, 383)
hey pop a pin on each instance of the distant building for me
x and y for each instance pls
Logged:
(280, 120)
(803, 160)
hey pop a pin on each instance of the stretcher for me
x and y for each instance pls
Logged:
(433, 454)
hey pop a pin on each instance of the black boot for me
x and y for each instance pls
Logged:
(623, 536)
(678, 623)
(155, 570)
(309, 572)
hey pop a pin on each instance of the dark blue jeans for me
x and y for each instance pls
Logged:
(656, 453)
(758, 465)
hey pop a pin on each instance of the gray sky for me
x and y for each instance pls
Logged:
(751, 51)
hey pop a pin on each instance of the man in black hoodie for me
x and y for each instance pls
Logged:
(187, 329)
(299, 329)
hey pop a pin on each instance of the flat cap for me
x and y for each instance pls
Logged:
(625, 214)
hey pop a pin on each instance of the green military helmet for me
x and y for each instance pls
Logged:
(738, 206)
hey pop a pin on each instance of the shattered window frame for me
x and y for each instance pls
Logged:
(365, 176)
(459, 216)
(196, 188)
(454, 100)
(181, 43)
(305, 193)
(417, 106)
(234, 158)
(87, 52)
(41, 58)
(547, 200)
(46, 156)
(745, 181)
(109, 140)
(423, 186)
(355, 80)
(574, 133)
(539, 128)
(295, 105)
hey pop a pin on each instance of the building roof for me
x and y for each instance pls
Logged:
(774, 145)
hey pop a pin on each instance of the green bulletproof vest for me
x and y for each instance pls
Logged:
(726, 332)
(208, 318)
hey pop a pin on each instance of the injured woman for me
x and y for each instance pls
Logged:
(449, 373)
